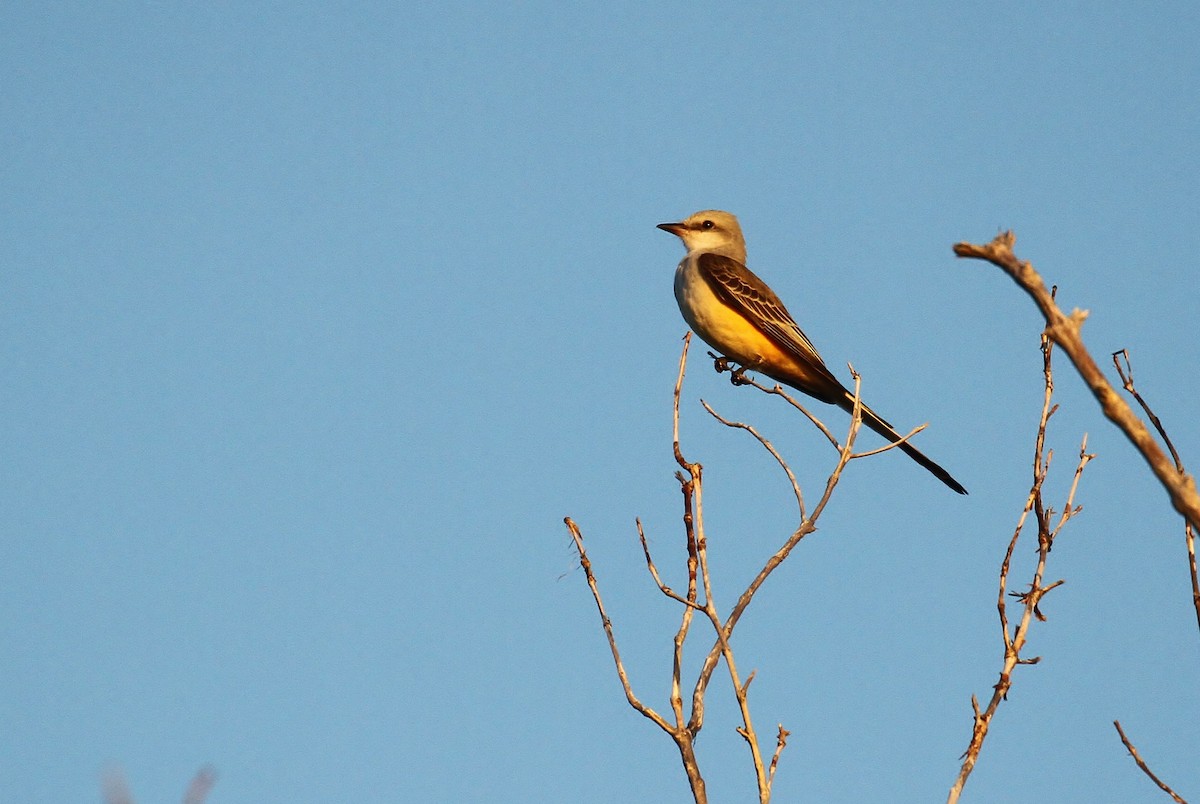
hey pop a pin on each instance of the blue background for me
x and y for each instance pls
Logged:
(316, 319)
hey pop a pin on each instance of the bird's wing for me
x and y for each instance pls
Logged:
(737, 286)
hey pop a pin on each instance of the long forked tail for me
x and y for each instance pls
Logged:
(872, 419)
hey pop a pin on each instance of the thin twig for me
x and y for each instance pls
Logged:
(724, 630)
(685, 734)
(1141, 763)
(740, 378)
(890, 445)
(722, 647)
(806, 526)
(769, 448)
(1126, 374)
(1014, 638)
(586, 563)
(777, 390)
(662, 587)
(1189, 533)
(780, 744)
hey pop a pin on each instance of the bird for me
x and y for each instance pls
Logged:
(738, 315)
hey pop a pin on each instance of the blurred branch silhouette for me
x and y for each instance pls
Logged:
(116, 790)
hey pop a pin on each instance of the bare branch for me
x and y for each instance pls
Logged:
(662, 587)
(722, 364)
(1126, 375)
(780, 744)
(1014, 638)
(1189, 532)
(1065, 331)
(769, 447)
(806, 526)
(724, 631)
(890, 445)
(699, 596)
(1146, 768)
(722, 647)
(586, 563)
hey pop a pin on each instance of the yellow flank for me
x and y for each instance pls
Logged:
(724, 328)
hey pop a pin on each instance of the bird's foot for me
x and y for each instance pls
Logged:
(720, 363)
(737, 374)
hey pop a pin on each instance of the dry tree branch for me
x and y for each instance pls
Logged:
(777, 390)
(683, 739)
(1126, 375)
(1065, 331)
(1141, 763)
(807, 525)
(1189, 532)
(807, 522)
(724, 630)
(679, 731)
(699, 598)
(723, 364)
(768, 447)
(1014, 638)
(780, 744)
(586, 563)
(658, 581)
(692, 487)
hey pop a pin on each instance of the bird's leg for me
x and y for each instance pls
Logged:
(720, 363)
(737, 376)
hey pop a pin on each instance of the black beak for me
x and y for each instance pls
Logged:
(676, 229)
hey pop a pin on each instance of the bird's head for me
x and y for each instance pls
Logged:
(710, 230)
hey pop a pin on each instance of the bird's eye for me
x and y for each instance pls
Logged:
(707, 225)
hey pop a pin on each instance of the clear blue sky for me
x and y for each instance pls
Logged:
(316, 319)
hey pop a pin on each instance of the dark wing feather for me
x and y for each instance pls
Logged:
(738, 287)
(741, 289)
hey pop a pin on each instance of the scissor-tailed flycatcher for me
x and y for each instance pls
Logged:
(738, 315)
